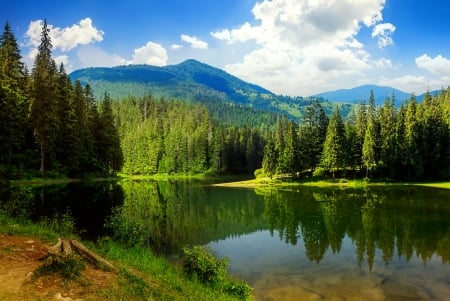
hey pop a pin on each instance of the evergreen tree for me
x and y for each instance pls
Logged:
(387, 137)
(270, 159)
(334, 146)
(312, 135)
(370, 137)
(13, 103)
(413, 138)
(108, 148)
(42, 114)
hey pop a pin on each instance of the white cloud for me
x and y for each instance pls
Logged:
(383, 63)
(383, 32)
(63, 59)
(303, 45)
(194, 42)
(67, 38)
(152, 54)
(92, 56)
(438, 65)
(176, 46)
(244, 33)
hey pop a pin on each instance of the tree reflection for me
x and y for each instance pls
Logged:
(404, 221)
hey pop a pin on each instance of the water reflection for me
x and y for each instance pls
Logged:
(88, 204)
(305, 244)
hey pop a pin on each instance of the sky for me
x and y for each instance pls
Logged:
(291, 47)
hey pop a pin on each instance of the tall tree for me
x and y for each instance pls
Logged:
(42, 114)
(333, 150)
(13, 101)
(369, 145)
(108, 148)
(386, 120)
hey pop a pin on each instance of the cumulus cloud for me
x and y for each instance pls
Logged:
(152, 54)
(438, 65)
(67, 38)
(194, 42)
(383, 32)
(303, 44)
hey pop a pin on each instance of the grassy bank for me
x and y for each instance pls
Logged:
(344, 183)
(141, 276)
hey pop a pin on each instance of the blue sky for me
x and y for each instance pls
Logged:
(291, 47)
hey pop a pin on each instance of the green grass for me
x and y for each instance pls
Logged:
(343, 183)
(156, 278)
(444, 185)
(142, 276)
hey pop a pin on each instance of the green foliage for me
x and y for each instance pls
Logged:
(63, 224)
(200, 263)
(67, 267)
(128, 232)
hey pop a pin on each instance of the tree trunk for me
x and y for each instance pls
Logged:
(67, 246)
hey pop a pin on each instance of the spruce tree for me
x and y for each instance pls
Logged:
(369, 145)
(333, 156)
(14, 102)
(42, 114)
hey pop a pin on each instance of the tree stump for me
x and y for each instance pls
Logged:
(66, 247)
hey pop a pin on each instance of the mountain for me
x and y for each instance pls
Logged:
(192, 80)
(362, 93)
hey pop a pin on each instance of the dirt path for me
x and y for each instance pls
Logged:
(20, 256)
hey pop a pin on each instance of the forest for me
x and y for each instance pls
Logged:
(51, 126)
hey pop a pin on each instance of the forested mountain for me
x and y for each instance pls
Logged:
(358, 94)
(51, 125)
(194, 81)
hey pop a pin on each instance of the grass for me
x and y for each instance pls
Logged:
(142, 276)
(280, 183)
(156, 278)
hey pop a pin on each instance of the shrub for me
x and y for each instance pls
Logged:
(259, 173)
(199, 262)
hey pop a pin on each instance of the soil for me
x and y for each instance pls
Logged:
(21, 256)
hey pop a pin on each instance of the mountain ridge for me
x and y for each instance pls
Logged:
(361, 93)
(192, 80)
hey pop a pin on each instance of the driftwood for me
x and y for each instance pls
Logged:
(65, 247)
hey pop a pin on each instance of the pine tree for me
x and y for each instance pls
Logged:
(387, 136)
(333, 150)
(43, 115)
(270, 159)
(369, 145)
(108, 148)
(14, 101)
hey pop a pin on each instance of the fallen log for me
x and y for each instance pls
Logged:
(67, 246)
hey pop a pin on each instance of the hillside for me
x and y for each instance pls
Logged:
(192, 80)
(361, 93)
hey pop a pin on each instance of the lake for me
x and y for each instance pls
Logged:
(383, 243)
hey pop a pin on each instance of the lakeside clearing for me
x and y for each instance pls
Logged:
(343, 183)
(141, 275)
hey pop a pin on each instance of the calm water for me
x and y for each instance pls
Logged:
(307, 244)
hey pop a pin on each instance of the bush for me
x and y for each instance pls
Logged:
(260, 173)
(126, 231)
(199, 262)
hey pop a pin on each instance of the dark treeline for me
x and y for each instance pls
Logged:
(49, 124)
(408, 142)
